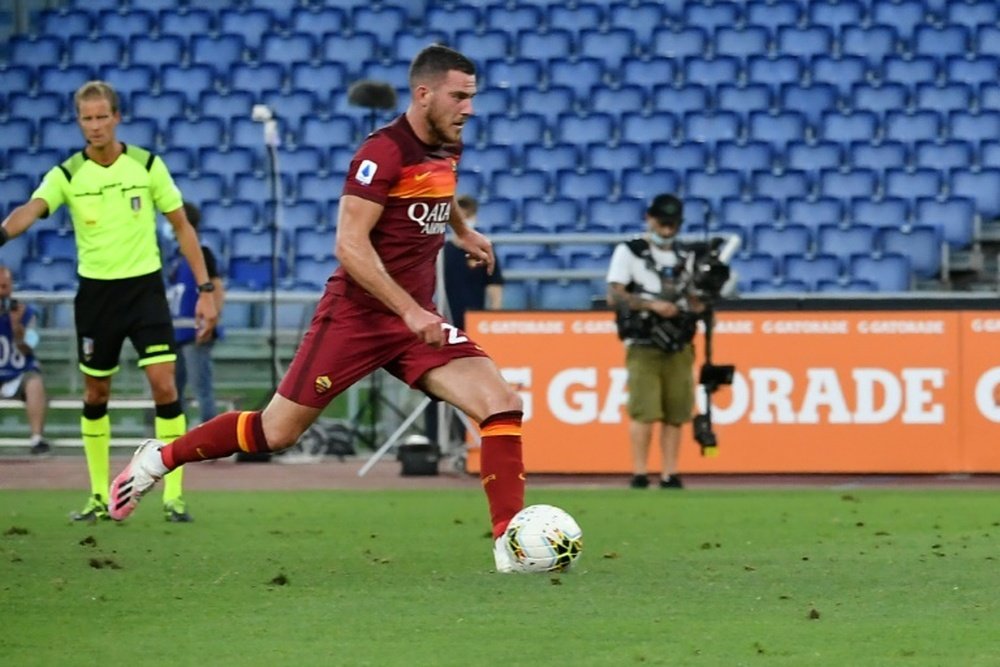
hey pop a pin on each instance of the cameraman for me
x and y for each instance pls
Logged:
(649, 287)
(20, 376)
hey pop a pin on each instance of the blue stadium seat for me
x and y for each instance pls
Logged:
(710, 17)
(54, 244)
(318, 77)
(614, 158)
(318, 20)
(487, 45)
(237, 315)
(806, 42)
(744, 156)
(13, 255)
(559, 214)
(910, 71)
(781, 286)
(837, 15)
(912, 184)
(711, 128)
(254, 273)
(775, 71)
(550, 103)
(920, 244)
(227, 163)
(314, 242)
(618, 215)
(749, 268)
(513, 19)
(812, 157)
(256, 78)
(945, 155)
(352, 51)
(889, 272)
(497, 214)
(878, 157)
(690, 97)
(697, 212)
(216, 242)
(953, 217)
(911, 127)
(48, 275)
(980, 185)
(812, 270)
(743, 41)
(303, 214)
(714, 187)
(252, 23)
(647, 184)
(527, 129)
(64, 22)
(564, 295)
(941, 41)
(32, 108)
(743, 99)
(773, 14)
(227, 106)
(493, 159)
(887, 213)
(289, 314)
(224, 217)
(159, 108)
(845, 242)
(616, 101)
(681, 43)
(576, 17)
(287, 49)
(649, 73)
(407, 45)
(165, 49)
(680, 158)
(581, 185)
(848, 128)
(811, 101)
(842, 72)
(127, 81)
(15, 190)
(612, 46)
(973, 15)
(748, 213)
(220, 52)
(541, 261)
(974, 128)
(848, 184)
(44, 50)
(254, 243)
(904, 15)
(63, 80)
(815, 213)
(493, 101)
(326, 133)
(529, 183)
(517, 295)
(711, 72)
(595, 128)
(32, 164)
(396, 73)
(881, 97)
(94, 52)
(582, 75)
(846, 286)
(778, 129)
(17, 77)
(787, 184)
(779, 242)
(191, 81)
(245, 132)
(550, 45)
(194, 21)
(140, 132)
(513, 74)
(179, 160)
(470, 183)
(62, 136)
(195, 134)
(202, 190)
(944, 98)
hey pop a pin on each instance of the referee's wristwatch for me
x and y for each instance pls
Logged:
(206, 287)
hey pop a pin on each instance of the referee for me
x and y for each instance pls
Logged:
(112, 191)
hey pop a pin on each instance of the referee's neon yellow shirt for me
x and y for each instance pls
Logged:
(113, 210)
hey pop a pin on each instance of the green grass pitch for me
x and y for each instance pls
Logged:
(740, 577)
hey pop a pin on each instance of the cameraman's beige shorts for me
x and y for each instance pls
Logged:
(660, 384)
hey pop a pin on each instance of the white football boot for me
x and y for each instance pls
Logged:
(504, 563)
(139, 476)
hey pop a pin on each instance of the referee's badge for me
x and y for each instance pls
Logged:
(136, 203)
(88, 348)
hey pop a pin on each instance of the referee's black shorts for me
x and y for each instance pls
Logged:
(109, 311)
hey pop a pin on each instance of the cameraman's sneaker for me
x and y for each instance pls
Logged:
(502, 559)
(41, 448)
(139, 476)
(95, 510)
(175, 511)
(639, 482)
(671, 482)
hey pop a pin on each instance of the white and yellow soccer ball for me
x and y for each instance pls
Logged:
(543, 538)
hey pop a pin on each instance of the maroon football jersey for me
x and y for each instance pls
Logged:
(416, 185)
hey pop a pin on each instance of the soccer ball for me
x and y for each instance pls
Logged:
(543, 538)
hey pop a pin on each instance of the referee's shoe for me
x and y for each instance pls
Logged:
(96, 509)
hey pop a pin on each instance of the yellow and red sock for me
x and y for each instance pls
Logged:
(502, 467)
(226, 434)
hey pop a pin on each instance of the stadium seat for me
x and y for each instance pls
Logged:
(842, 72)
(550, 103)
(594, 128)
(714, 186)
(812, 157)
(497, 214)
(582, 75)
(542, 261)
(679, 158)
(911, 127)
(886, 213)
(642, 18)
(487, 45)
(773, 14)
(744, 156)
(612, 46)
(41, 51)
(396, 73)
(352, 51)
(815, 213)
(227, 163)
(779, 286)
(749, 268)
(980, 185)
(774, 71)
(220, 52)
(787, 184)
(888, 272)
(141, 132)
(328, 132)
(201, 190)
(779, 242)
(313, 272)
(945, 156)
(96, 51)
(224, 217)
(618, 215)
(315, 243)
(973, 15)
(743, 99)
(920, 244)
(227, 106)
(812, 270)
(778, 129)
(711, 17)
(682, 42)
(196, 134)
(877, 157)
(527, 129)
(647, 184)
(944, 98)
(678, 101)
(407, 45)
(988, 40)
(711, 127)
(904, 15)
(954, 217)
(65, 22)
(646, 129)
(881, 97)
(974, 128)
(564, 295)
(62, 136)
(711, 72)
(318, 20)
(529, 183)
(846, 286)
(845, 242)
(941, 41)
(553, 44)
(848, 184)
(42, 105)
(254, 273)
(912, 184)
(256, 78)
(804, 42)
(179, 160)
(748, 213)
(318, 77)
(255, 243)
(560, 214)
(513, 74)
(55, 244)
(48, 274)
(252, 23)
(190, 81)
(15, 190)
(581, 185)
(847, 128)
(63, 80)
(493, 101)
(17, 77)
(910, 71)
(128, 81)
(638, 77)
(838, 15)
(186, 24)
(32, 164)
(160, 108)
(517, 295)
(742, 42)
(165, 49)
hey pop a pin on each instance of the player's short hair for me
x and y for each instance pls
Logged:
(96, 90)
(467, 203)
(193, 214)
(436, 60)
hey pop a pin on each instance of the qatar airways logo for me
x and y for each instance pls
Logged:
(766, 396)
(432, 218)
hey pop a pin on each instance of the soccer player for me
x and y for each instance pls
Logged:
(377, 310)
(113, 191)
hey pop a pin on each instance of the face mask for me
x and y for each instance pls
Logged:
(661, 240)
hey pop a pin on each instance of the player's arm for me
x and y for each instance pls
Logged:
(206, 313)
(21, 218)
(355, 221)
(476, 245)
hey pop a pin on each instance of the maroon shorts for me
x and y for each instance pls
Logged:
(346, 341)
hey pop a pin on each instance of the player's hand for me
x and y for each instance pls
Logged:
(426, 325)
(206, 316)
(478, 247)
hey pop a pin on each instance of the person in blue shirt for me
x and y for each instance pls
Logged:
(194, 358)
(20, 374)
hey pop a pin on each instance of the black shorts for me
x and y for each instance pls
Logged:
(109, 311)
